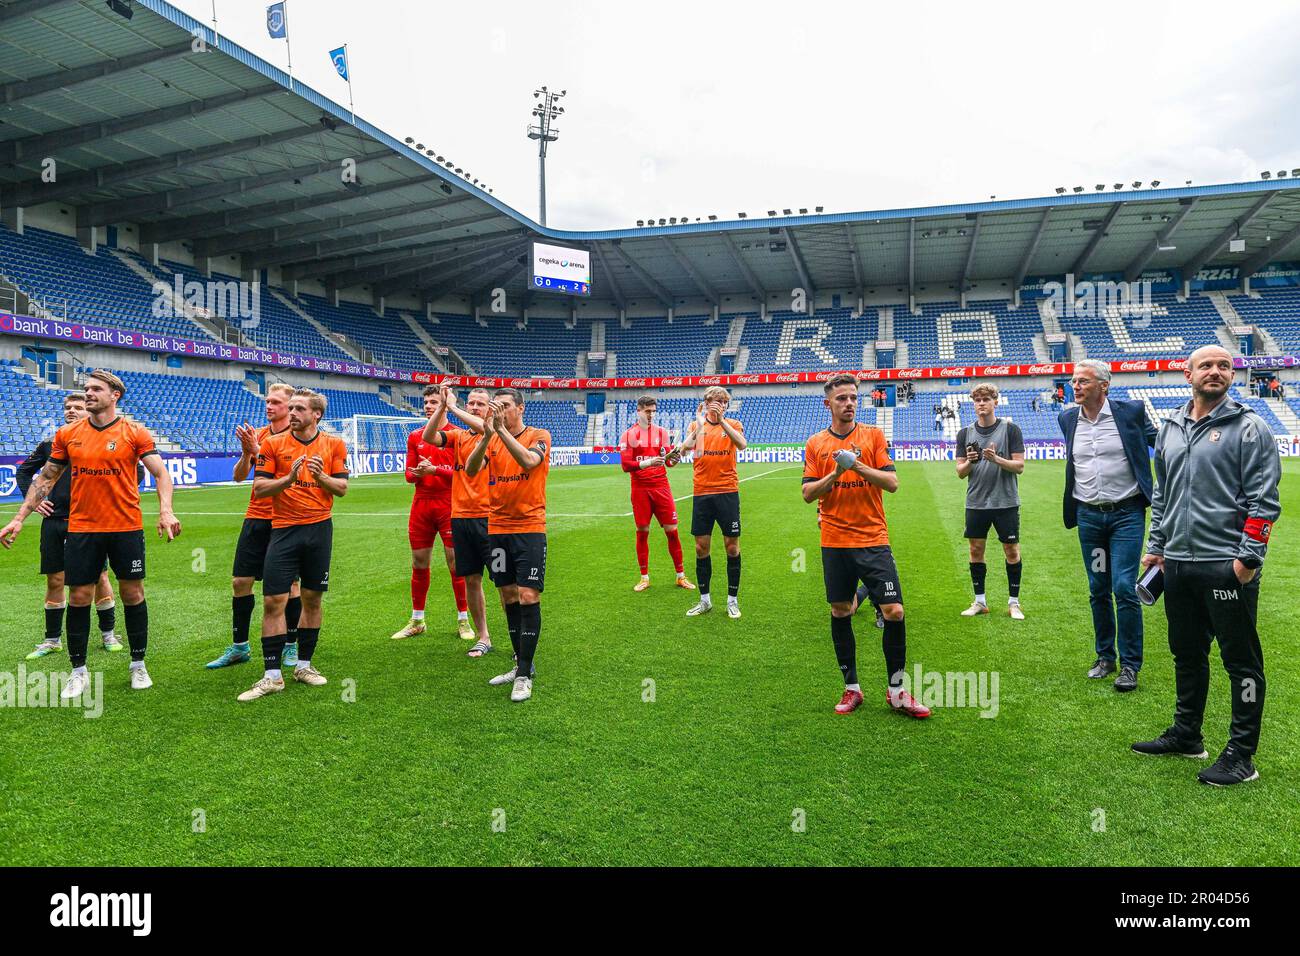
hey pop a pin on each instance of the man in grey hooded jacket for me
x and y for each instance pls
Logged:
(1216, 498)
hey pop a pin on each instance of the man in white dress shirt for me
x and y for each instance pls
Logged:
(1107, 491)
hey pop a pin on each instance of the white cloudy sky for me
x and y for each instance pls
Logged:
(692, 108)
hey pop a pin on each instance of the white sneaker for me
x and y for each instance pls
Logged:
(76, 685)
(1015, 612)
(976, 608)
(140, 679)
(309, 675)
(267, 685)
(733, 610)
(522, 690)
(507, 678)
(701, 608)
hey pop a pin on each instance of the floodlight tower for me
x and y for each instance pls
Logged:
(546, 111)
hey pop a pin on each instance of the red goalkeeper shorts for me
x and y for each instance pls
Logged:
(429, 518)
(653, 501)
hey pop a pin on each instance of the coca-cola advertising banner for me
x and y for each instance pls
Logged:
(27, 326)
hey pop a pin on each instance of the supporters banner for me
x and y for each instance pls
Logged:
(192, 471)
(26, 326)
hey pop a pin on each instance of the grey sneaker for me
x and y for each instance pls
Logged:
(1127, 680)
(1101, 668)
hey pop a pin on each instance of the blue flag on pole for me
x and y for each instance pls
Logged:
(277, 22)
(340, 58)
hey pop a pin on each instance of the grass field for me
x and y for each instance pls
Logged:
(738, 740)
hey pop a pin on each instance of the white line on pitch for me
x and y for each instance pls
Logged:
(750, 478)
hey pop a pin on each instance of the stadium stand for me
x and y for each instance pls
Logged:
(1277, 311)
(786, 419)
(32, 412)
(98, 289)
(1168, 329)
(278, 328)
(652, 346)
(387, 336)
(789, 340)
(197, 414)
(546, 347)
(946, 334)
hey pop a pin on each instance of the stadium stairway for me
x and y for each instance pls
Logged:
(205, 327)
(885, 421)
(427, 345)
(1284, 414)
(340, 340)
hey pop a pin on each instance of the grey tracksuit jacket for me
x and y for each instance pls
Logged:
(1216, 494)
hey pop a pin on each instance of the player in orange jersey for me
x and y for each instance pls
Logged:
(469, 501)
(846, 467)
(54, 532)
(104, 521)
(715, 440)
(645, 456)
(302, 471)
(518, 459)
(255, 537)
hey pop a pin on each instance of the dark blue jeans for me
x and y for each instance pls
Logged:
(1112, 551)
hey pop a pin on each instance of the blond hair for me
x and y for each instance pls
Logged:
(284, 387)
(716, 393)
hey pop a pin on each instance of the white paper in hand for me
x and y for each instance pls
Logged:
(845, 458)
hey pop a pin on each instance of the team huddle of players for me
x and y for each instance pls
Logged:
(481, 489)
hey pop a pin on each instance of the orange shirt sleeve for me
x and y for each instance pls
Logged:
(338, 467)
(144, 442)
(882, 459)
(811, 467)
(59, 448)
(266, 460)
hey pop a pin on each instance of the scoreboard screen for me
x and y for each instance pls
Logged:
(561, 269)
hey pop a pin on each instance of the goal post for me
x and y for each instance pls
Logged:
(376, 443)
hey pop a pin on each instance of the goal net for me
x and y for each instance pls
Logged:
(375, 434)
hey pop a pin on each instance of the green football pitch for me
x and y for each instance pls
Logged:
(651, 738)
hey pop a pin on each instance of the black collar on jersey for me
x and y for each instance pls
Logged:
(520, 432)
(846, 434)
(100, 428)
(272, 431)
(308, 441)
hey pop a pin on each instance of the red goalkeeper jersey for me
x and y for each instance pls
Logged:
(436, 487)
(638, 443)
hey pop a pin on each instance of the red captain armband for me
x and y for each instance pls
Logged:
(1257, 529)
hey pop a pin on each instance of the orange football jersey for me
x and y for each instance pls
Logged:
(304, 501)
(261, 507)
(715, 461)
(518, 497)
(102, 462)
(469, 496)
(852, 515)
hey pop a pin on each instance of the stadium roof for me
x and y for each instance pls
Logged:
(208, 144)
